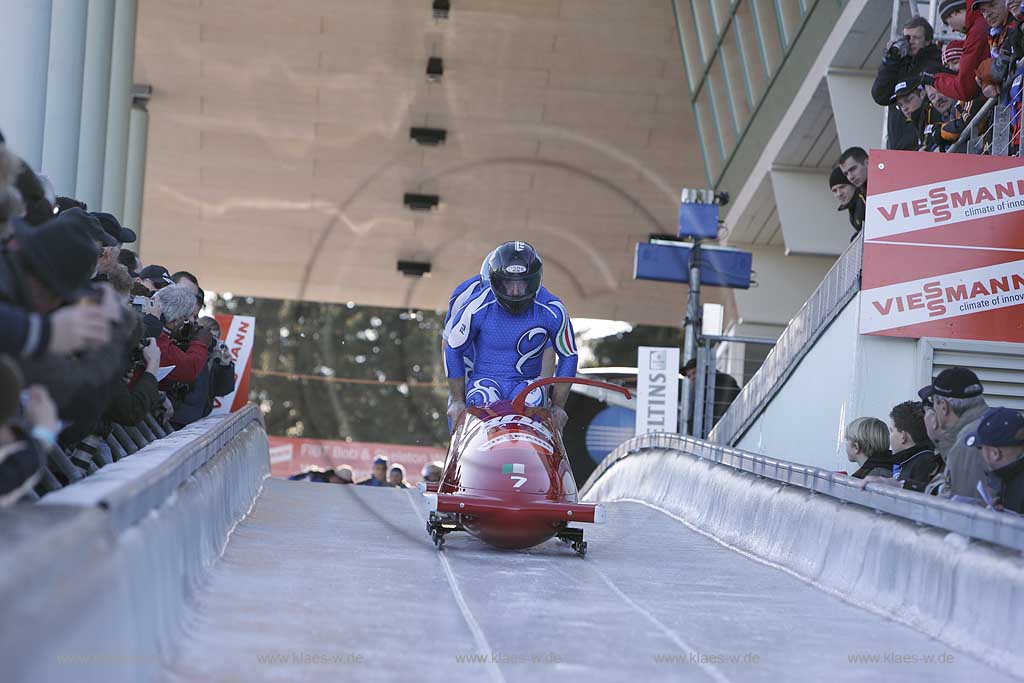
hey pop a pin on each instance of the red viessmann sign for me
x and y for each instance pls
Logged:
(944, 247)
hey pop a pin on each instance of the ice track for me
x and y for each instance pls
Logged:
(325, 583)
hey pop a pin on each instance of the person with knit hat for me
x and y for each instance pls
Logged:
(953, 14)
(849, 199)
(952, 52)
(962, 85)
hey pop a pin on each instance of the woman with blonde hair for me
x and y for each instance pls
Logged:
(867, 444)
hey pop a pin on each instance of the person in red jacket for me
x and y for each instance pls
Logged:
(178, 303)
(962, 85)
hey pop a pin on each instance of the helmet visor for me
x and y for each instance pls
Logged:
(516, 288)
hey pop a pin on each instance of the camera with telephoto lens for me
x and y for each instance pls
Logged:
(898, 49)
(186, 332)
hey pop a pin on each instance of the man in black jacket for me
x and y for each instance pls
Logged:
(916, 462)
(905, 58)
(849, 199)
(1000, 436)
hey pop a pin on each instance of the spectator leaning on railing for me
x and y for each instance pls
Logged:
(904, 58)
(953, 406)
(1000, 437)
(65, 286)
(849, 199)
(960, 84)
(182, 344)
(914, 461)
(217, 378)
(867, 445)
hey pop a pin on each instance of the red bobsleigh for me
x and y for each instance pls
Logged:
(507, 479)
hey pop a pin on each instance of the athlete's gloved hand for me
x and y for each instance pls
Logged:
(559, 416)
(456, 413)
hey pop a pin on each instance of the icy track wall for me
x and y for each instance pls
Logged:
(98, 588)
(960, 591)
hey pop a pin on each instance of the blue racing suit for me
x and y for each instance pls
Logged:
(462, 293)
(509, 347)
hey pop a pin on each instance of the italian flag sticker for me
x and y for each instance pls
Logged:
(516, 471)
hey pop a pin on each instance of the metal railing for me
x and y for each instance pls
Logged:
(128, 500)
(65, 467)
(1003, 529)
(971, 133)
(840, 285)
(719, 377)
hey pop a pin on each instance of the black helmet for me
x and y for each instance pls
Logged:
(514, 270)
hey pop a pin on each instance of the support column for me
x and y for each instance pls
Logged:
(138, 137)
(856, 114)
(807, 211)
(122, 66)
(64, 94)
(95, 96)
(26, 44)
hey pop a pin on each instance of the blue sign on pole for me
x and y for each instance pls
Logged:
(670, 262)
(698, 220)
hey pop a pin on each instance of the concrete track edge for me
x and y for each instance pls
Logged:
(960, 591)
(86, 600)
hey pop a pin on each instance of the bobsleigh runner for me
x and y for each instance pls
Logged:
(507, 478)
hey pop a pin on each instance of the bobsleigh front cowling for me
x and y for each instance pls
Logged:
(507, 478)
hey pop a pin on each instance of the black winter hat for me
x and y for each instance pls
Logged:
(60, 253)
(837, 177)
(113, 227)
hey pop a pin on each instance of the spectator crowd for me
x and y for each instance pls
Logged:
(99, 352)
(934, 93)
(382, 474)
(950, 443)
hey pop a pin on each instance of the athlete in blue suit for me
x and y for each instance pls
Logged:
(508, 325)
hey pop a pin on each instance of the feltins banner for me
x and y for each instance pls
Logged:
(944, 247)
(290, 456)
(238, 332)
(657, 389)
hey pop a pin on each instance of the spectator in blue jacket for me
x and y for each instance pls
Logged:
(380, 473)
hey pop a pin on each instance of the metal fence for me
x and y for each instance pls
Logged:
(65, 467)
(972, 521)
(840, 285)
(725, 364)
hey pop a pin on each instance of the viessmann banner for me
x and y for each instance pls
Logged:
(944, 247)
(238, 332)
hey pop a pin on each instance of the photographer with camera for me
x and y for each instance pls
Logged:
(904, 59)
(182, 343)
(216, 379)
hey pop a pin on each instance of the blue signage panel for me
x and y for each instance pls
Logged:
(720, 266)
(698, 220)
